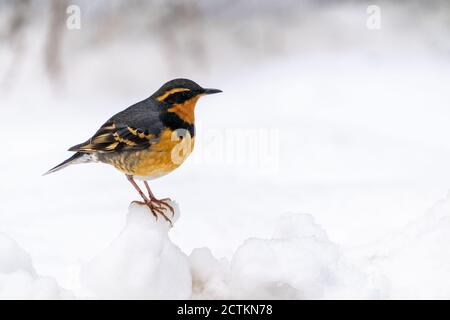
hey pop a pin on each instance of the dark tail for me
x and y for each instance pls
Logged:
(76, 158)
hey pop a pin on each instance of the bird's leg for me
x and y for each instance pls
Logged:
(160, 202)
(149, 203)
(130, 178)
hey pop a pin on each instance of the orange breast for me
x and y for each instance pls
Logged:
(161, 158)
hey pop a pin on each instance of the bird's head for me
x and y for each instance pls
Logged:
(181, 95)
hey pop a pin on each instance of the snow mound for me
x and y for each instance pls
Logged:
(415, 262)
(210, 277)
(18, 279)
(299, 262)
(141, 263)
(13, 257)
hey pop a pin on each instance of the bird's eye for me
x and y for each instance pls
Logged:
(179, 97)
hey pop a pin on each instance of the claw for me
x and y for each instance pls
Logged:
(156, 209)
(143, 203)
(155, 205)
(162, 202)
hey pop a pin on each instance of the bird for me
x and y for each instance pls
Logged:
(147, 140)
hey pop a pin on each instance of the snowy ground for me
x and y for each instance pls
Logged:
(345, 200)
(298, 261)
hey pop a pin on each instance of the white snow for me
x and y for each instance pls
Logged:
(141, 263)
(210, 276)
(299, 261)
(414, 263)
(18, 279)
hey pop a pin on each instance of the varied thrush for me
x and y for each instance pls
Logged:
(144, 140)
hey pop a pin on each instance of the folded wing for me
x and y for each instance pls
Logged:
(111, 137)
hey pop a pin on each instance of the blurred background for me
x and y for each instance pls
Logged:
(339, 109)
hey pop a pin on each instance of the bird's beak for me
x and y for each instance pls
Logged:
(211, 91)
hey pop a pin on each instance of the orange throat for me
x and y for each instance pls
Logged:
(185, 110)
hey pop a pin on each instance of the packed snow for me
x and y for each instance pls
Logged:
(414, 262)
(141, 263)
(18, 278)
(298, 261)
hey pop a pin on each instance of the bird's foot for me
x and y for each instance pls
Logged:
(156, 209)
(161, 203)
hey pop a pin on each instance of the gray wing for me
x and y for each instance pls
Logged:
(135, 128)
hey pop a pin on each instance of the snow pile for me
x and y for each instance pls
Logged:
(18, 279)
(210, 277)
(415, 262)
(142, 263)
(299, 262)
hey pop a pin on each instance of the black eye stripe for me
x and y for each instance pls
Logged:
(180, 97)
